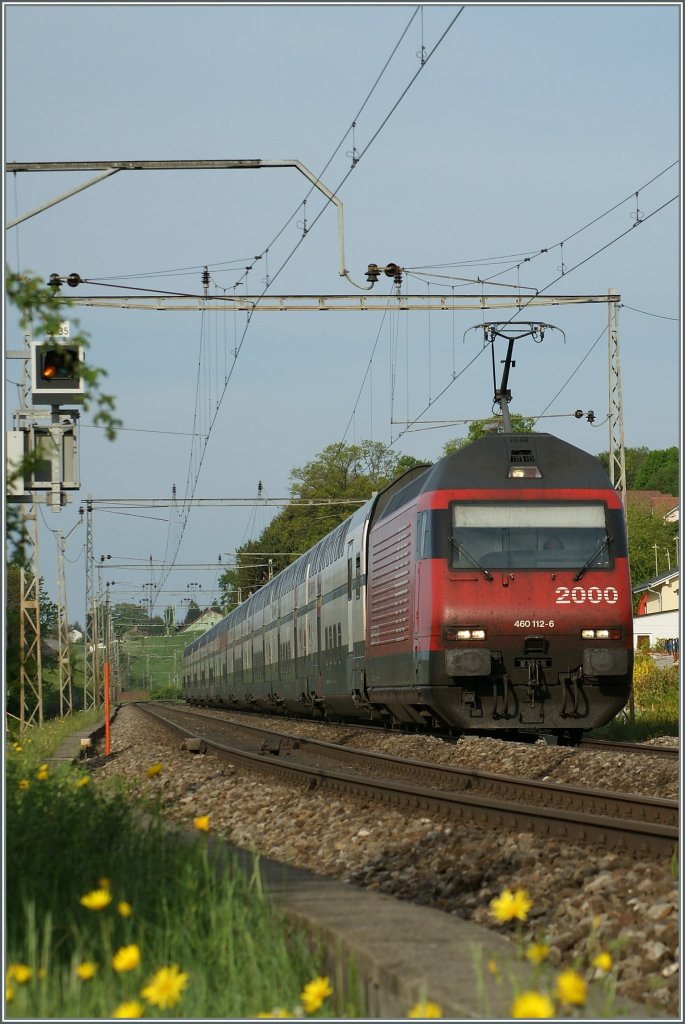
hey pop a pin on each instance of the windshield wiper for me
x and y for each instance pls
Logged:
(606, 540)
(459, 548)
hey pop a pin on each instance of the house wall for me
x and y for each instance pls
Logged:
(666, 599)
(648, 629)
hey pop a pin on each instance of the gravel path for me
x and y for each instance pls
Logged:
(584, 899)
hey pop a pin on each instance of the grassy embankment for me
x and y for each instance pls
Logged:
(109, 917)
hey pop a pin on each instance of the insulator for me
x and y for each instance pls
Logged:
(55, 281)
(205, 278)
(579, 414)
(373, 273)
(74, 280)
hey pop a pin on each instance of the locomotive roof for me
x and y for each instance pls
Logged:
(488, 461)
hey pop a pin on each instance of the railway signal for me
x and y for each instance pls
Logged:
(56, 372)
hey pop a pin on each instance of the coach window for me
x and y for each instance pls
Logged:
(358, 575)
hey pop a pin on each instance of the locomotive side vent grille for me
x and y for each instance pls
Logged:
(520, 456)
(533, 645)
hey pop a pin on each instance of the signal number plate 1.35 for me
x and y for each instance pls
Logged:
(593, 595)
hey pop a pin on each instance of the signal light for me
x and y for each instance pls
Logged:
(56, 373)
(59, 364)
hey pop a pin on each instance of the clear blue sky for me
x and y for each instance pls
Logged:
(524, 125)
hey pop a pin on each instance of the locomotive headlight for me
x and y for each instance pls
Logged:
(463, 633)
(525, 472)
(613, 633)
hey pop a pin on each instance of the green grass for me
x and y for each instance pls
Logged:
(153, 663)
(62, 839)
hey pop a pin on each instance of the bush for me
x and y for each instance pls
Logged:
(656, 690)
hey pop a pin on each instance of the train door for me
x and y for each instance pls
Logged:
(350, 600)
(355, 615)
(319, 608)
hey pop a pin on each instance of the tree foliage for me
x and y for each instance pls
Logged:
(194, 612)
(650, 470)
(650, 538)
(345, 473)
(480, 428)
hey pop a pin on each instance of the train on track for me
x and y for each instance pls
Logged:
(487, 593)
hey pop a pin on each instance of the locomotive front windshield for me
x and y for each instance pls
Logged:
(529, 535)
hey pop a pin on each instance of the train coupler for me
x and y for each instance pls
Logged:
(536, 680)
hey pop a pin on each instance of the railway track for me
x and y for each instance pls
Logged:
(655, 749)
(643, 826)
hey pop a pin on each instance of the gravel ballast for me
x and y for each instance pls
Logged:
(584, 899)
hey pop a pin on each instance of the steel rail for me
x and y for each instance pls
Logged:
(641, 838)
(656, 749)
(503, 787)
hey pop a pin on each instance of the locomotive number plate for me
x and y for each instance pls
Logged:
(593, 595)
(534, 624)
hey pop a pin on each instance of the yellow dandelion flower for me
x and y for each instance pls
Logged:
(153, 770)
(537, 952)
(202, 823)
(24, 784)
(278, 1012)
(18, 747)
(126, 959)
(133, 1008)
(492, 967)
(426, 1009)
(509, 905)
(21, 973)
(124, 908)
(314, 993)
(83, 781)
(97, 899)
(532, 1006)
(603, 962)
(43, 773)
(104, 883)
(571, 988)
(86, 970)
(9, 993)
(165, 987)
